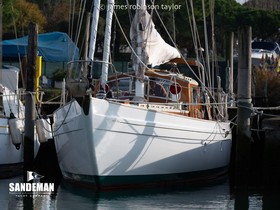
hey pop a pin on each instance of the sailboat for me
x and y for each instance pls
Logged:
(122, 133)
(11, 124)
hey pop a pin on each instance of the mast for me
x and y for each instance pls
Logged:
(87, 36)
(107, 41)
(86, 48)
(138, 66)
(94, 25)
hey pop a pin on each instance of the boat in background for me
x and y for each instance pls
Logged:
(11, 124)
(264, 52)
(147, 127)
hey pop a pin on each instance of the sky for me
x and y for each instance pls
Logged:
(241, 1)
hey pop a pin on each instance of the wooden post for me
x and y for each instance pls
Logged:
(242, 160)
(30, 97)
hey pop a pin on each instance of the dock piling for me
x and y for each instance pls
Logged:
(243, 141)
(29, 98)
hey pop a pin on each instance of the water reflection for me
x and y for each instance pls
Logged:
(212, 197)
(215, 196)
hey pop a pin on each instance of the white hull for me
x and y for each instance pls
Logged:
(11, 159)
(259, 58)
(115, 139)
(264, 52)
(8, 152)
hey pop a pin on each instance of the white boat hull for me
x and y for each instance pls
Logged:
(11, 159)
(260, 58)
(115, 142)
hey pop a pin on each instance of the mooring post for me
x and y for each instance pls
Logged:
(242, 158)
(29, 98)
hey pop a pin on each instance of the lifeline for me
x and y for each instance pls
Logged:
(28, 187)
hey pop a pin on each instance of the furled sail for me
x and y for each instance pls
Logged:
(155, 50)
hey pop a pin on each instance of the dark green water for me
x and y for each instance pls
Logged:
(214, 196)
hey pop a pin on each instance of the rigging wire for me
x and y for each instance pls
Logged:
(204, 87)
(80, 22)
(73, 18)
(196, 40)
(206, 46)
(129, 12)
(174, 26)
(192, 28)
(18, 52)
(212, 19)
(69, 22)
(128, 42)
(178, 49)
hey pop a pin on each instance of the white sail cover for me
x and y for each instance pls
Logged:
(156, 50)
(9, 77)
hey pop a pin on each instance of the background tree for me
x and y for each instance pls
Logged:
(62, 15)
(271, 5)
(57, 13)
(17, 14)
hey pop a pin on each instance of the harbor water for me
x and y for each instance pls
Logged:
(218, 195)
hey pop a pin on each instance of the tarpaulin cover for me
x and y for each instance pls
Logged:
(53, 47)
